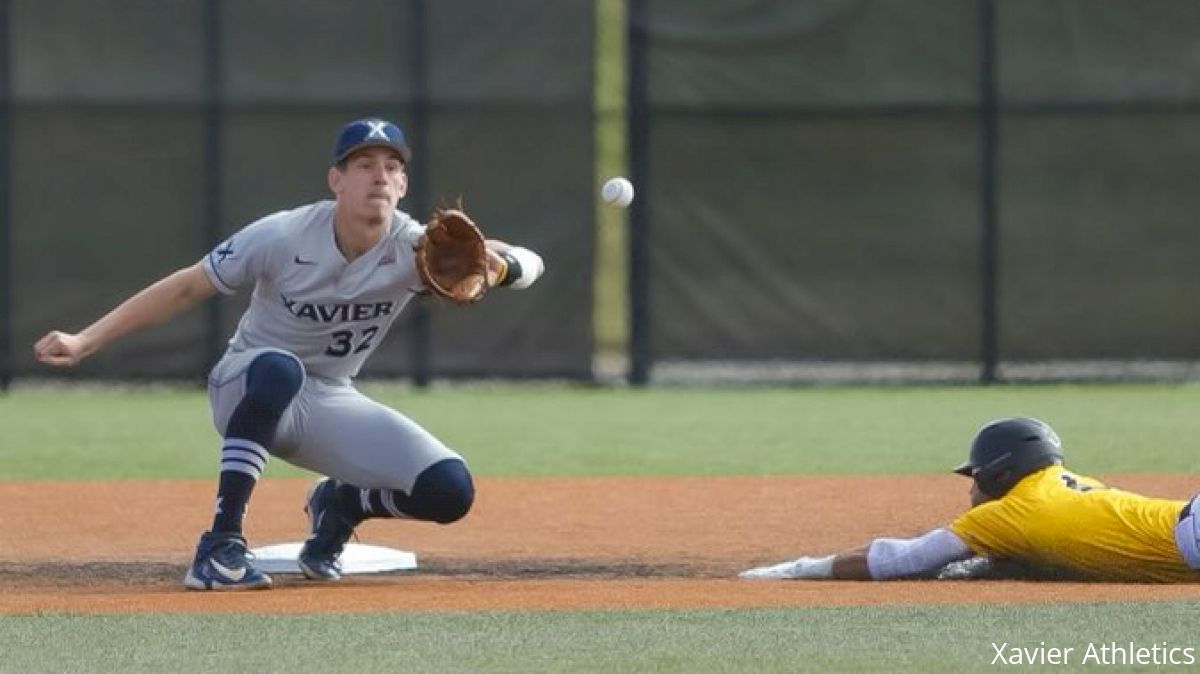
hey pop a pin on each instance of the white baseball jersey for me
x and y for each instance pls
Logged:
(307, 299)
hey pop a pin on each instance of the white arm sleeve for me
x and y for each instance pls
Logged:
(889, 558)
(531, 265)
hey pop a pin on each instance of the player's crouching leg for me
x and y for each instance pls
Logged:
(442, 493)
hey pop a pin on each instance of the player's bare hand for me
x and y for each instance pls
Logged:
(59, 348)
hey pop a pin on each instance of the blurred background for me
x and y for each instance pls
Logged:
(942, 190)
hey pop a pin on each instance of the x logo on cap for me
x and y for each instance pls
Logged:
(377, 129)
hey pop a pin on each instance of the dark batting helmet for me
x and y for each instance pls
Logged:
(1006, 450)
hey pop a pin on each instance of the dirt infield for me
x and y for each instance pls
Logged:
(559, 543)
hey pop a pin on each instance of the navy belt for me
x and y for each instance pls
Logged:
(1187, 507)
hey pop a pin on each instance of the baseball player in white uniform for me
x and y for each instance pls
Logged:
(327, 279)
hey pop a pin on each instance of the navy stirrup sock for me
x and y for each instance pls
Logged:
(272, 381)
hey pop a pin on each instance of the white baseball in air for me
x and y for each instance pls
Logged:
(618, 192)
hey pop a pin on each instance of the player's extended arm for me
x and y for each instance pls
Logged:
(512, 266)
(881, 559)
(154, 304)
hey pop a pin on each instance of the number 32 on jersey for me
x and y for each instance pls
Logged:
(346, 342)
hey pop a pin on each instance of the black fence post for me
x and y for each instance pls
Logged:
(213, 211)
(6, 256)
(989, 125)
(640, 341)
(422, 320)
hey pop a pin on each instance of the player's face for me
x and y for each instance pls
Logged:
(977, 495)
(370, 183)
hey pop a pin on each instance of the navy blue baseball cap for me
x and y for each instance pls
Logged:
(370, 132)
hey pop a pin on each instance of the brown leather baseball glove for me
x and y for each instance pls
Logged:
(452, 257)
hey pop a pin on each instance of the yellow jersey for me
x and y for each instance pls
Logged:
(1056, 518)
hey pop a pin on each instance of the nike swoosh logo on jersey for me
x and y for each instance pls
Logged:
(228, 573)
(300, 261)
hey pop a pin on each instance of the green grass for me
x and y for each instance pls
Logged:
(887, 639)
(554, 430)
